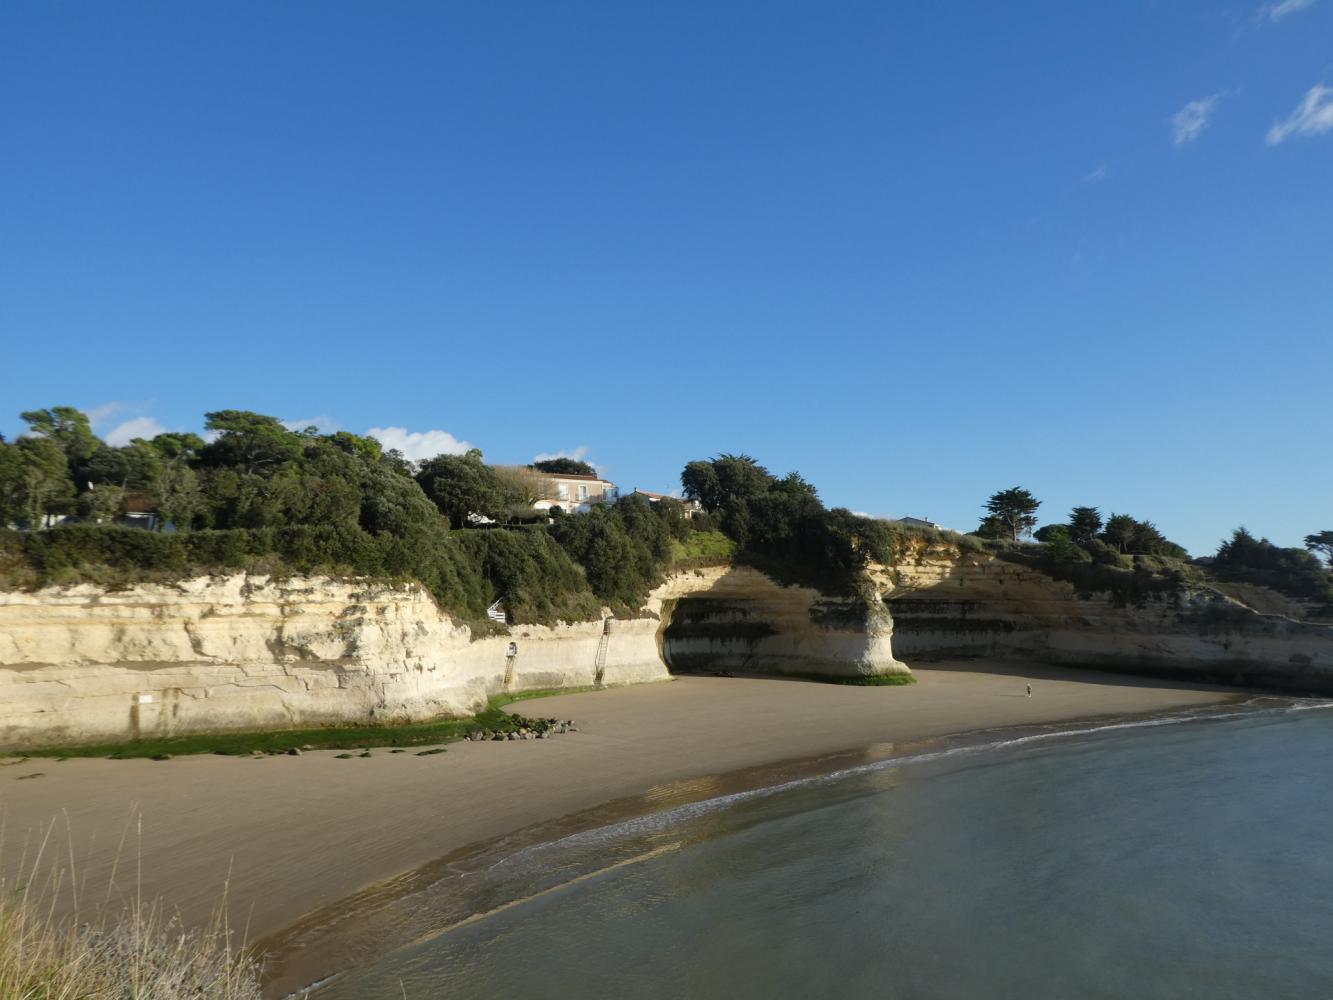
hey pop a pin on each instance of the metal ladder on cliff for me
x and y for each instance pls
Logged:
(599, 661)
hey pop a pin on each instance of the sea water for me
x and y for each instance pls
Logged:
(1187, 856)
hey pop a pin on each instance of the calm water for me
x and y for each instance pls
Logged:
(1187, 859)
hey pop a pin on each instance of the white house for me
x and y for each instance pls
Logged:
(576, 493)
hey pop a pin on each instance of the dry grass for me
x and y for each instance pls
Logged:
(57, 944)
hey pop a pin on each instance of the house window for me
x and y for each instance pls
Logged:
(583, 493)
(564, 491)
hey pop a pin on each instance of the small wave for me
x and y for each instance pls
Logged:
(516, 867)
(656, 822)
(1310, 707)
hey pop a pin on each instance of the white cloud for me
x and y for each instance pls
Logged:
(139, 427)
(1313, 116)
(323, 423)
(1274, 12)
(1097, 174)
(417, 446)
(97, 414)
(578, 454)
(1188, 123)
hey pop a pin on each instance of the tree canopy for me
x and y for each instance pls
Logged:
(1011, 514)
(1321, 543)
(259, 492)
(781, 526)
(1296, 572)
(564, 467)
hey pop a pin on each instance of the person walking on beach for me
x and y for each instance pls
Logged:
(1029, 690)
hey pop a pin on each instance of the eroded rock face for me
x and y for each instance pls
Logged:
(947, 604)
(737, 619)
(81, 664)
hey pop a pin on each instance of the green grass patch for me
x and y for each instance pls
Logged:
(702, 548)
(415, 734)
(326, 738)
(877, 680)
(885, 680)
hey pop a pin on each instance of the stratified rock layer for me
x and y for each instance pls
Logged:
(82, 664)
(947, 604)
(736, 619)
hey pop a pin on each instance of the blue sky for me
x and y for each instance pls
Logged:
(918, 252)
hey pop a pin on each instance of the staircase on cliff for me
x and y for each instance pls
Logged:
(599, 661)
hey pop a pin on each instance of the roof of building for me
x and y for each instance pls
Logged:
(139, 503)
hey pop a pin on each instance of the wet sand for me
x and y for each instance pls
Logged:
(298, 833)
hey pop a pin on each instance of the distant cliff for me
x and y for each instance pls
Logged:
(947, 603)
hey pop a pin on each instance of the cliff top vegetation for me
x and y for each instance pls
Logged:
(255, 495)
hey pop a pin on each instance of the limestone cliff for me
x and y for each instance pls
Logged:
(737, 619)
(84, 664)
(245, 652)
(250, 652)
(945, 604)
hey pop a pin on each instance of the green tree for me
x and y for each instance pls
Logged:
(1049, 532)
(367, 447)
(176, 495)
(175, 489)
(732, 486)
(1129, 535)
(251, 441)
(564, 467)
(176, 447)
(136, 466)
(12, 492)
(461, 485)
(393, 503)
(1085, 523)
(1120, 532)
(672, 514)
(1296, 572)
(102, 504)
(46, 487)
(1014, 511)
(68, 427)
(1060, 541)
(1321, 544)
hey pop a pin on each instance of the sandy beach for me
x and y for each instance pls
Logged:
(296, 833)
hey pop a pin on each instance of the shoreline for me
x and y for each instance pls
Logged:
(358, 930)
(294, 838)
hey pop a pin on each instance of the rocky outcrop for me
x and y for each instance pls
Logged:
(84, 664)
(947, 604)
(736, 619)
(81, 664)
